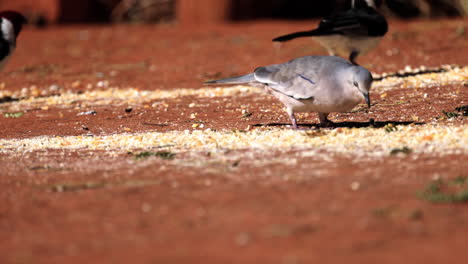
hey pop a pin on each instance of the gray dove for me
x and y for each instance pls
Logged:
(321, 84)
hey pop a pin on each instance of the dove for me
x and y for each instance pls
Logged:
(322, 84)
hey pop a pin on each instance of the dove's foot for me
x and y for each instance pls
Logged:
(327, 124)
(293, 123)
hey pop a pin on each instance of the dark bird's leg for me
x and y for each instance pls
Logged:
(353, 56)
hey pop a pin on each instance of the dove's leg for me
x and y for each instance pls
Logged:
(324, 120)
(293, 118)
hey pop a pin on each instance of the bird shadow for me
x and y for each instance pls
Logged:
(378, 124)
(8, 99)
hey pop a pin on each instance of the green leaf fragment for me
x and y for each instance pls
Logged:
(13, 115)
(160, 154)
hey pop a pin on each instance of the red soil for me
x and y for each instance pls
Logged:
(114, 209)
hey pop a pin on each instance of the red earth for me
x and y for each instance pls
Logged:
(78, 206)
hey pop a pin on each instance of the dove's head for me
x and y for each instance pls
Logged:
(361, 79)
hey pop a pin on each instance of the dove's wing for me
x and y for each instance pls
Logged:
(299, 78)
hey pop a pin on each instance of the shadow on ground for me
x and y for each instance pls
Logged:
(346, 124)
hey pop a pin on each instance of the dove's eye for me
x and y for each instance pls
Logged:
(356, 84)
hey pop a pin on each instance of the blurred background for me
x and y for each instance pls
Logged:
(188, 12)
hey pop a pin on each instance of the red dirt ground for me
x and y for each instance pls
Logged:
(115, 209)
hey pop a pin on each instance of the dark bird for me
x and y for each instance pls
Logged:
(348, 33)
(11, 24)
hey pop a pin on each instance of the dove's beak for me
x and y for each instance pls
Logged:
(366, 96)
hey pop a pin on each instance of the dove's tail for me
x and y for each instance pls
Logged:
(296, 35)
(235, 80)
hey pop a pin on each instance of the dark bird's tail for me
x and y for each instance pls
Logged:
(296, 35)
(235, 80)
